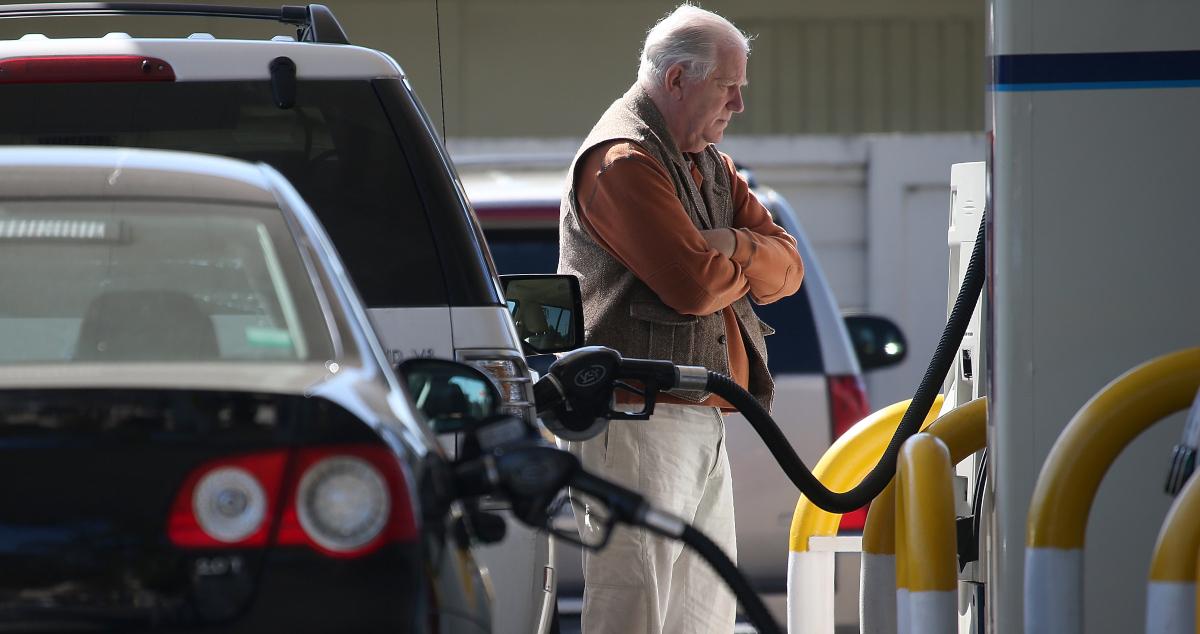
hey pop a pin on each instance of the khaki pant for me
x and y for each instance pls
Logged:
(643, 583)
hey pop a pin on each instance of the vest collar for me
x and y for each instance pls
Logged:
(644, 107)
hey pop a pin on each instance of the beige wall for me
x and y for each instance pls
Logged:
(536, 68)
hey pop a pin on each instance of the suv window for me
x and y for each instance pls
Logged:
(336, 145)
(105, 280)
(793, 349)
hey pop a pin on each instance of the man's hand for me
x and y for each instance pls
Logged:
(721, 240)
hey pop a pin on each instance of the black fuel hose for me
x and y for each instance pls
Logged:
(756, 610)
(531, 473)
(922, 401)
(630, 507)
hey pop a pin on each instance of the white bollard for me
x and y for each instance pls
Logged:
(877, 584)
(810, 592)
(1171, 594)
(1170, 608)
(1053, 584)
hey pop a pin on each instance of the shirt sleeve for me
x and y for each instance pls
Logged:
(627, 202)
(765, 252)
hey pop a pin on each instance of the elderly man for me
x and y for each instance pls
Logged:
(670, 245)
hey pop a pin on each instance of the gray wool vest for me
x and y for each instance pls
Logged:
(619, 310)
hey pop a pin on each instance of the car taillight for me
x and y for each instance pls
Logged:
(228, 503)
(346, 501)
(62, 69)
(511, 376)
(343, 501)
(847, 406)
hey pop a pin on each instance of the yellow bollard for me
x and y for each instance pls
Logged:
(1067, 484)
(842, 467)
(926, 537)
(1171, 591)
(964, 431)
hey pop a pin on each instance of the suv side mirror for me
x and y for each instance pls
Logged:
(453, 396)
(878, 341)
(547, 311)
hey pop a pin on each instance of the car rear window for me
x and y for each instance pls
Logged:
(113, 280)
(336, 145)
(793, 349)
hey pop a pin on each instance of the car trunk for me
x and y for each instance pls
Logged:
(93, 481)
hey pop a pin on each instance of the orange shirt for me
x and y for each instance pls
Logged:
(627, 203)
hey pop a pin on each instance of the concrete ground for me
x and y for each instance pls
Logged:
(777, 603)
(845, 604)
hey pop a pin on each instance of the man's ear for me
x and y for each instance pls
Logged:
(673, 81)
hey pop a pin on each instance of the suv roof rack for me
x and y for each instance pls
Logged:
(314, 22)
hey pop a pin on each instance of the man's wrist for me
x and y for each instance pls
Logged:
(743, 248)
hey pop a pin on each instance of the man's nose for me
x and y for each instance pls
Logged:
(736, 104)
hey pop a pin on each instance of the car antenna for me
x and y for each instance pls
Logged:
(437, 20)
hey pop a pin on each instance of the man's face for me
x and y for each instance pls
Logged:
(708, 104)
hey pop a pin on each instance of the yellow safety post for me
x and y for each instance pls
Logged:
(964, 430)
(1067, 484)
(1171, 592)
(926, 537)
(844, 465)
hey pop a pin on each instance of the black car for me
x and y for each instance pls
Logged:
(198, 427)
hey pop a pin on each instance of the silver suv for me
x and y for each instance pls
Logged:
(343, 124)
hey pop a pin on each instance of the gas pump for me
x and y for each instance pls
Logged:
(966, 382)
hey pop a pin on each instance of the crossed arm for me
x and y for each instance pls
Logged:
(628, 203)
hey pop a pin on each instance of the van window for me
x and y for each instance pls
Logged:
(336, 146)
(793, 349)
(523, 250)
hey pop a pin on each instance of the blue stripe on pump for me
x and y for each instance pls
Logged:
(1096, 71)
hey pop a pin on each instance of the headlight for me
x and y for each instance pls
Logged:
(511, 377)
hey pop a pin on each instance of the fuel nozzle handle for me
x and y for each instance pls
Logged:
(575, 397)
(596, 369)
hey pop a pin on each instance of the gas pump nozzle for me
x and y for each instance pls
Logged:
(575, 398)
(530, 475)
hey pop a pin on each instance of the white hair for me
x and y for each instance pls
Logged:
(690, 36)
